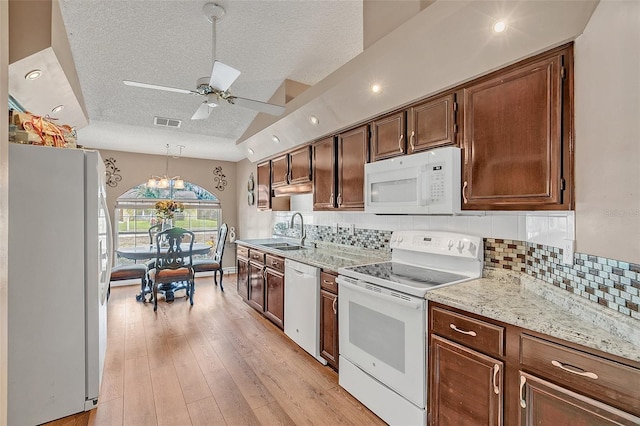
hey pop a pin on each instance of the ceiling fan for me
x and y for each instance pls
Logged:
(215, 89)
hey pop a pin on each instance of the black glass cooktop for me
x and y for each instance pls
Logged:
(407, 274)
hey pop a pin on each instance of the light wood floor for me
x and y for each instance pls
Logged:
(216, 363)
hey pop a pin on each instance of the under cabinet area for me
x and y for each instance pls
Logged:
(329, 349)
(484, 372)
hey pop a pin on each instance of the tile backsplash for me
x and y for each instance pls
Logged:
(526, 242)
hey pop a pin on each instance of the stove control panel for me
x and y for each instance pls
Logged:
(438, 242)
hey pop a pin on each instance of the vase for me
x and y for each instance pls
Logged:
(167, 224)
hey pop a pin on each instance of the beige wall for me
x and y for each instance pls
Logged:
(607, 118)
(137, 168)
(4, 208)
(251, 222)
(380, 17)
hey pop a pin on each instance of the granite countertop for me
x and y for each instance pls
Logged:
(521, 300)
(327, 256)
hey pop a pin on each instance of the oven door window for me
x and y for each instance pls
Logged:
(385, 336)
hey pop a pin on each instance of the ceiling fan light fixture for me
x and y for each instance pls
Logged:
(213, 12)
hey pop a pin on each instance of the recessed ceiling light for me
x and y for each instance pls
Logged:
(33, 74)
(500, 26)
(275, 138)
(314, 120)
(250, 151)
(58, 108)
(375, 88)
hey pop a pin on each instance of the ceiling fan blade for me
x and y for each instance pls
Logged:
(156, 87)
(223, 76)
(265, 107)
(203, 111)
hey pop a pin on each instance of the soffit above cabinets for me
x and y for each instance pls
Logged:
(446, 44)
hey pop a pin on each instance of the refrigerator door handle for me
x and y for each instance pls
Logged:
(109, 253)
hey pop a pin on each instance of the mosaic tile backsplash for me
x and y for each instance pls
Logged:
(611, 283)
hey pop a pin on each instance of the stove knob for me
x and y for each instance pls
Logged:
(450, 244)
(460, 246)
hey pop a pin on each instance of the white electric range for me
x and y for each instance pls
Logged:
(382, 319)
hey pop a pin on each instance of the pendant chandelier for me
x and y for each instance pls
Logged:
(164, 182)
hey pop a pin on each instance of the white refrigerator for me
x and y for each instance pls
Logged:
(59, 267)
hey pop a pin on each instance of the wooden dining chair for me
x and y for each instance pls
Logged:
(129, 272)
(214, 264)
(173, 264)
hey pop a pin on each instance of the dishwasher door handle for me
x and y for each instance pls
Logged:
(413, 304)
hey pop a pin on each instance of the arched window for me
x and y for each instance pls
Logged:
(135, 213)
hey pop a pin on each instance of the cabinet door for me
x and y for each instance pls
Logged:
(324, 175)
(243, 278)
(280, 171)
(300, 166)
(329, 327)
(465, 386)
(388, 136)
(513, 138)
(264, 186)
(544, 403)
(353, 154)
(256, 286)
(432, 124)
(274, 297)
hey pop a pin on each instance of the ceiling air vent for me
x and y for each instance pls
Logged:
(166, 122)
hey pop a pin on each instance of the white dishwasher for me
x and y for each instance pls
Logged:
(302, 306)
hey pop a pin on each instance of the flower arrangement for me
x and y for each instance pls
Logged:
(167, 208)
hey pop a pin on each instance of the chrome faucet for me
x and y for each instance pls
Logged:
(303, 234)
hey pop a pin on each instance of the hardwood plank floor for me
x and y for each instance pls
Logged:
(218, 362)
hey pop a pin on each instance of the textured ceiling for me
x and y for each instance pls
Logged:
(169, 43)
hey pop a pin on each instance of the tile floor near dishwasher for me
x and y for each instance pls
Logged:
(219, 362)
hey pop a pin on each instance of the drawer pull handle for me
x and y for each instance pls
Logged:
(523, 403)
(496, 388)
(574, 370)
(469, 333)
(327, 282)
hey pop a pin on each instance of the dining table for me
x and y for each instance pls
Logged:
(150, 251)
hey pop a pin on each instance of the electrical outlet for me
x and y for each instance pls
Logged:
(568, 248)
(352, 228)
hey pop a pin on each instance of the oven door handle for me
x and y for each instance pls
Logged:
(413, 304)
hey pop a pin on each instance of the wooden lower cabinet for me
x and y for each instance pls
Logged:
(256, 285)
(536, 380)
(274, 297)
(243, 278)
(466, 386)
(544, 403)
(329, 348)
(329, 327)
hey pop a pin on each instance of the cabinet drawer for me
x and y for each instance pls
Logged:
(256, 255)
(483, 336)
(242, 251)
(274, 262)
(605, 380)
(328, 282)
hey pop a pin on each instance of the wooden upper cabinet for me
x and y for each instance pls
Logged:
(517, 130)
(300, 165)
(432, 123)
(264, 186)
(388, 137)
(280, 171)
(324, 174)
(352, 153)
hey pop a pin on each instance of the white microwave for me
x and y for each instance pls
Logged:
(423, 183)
